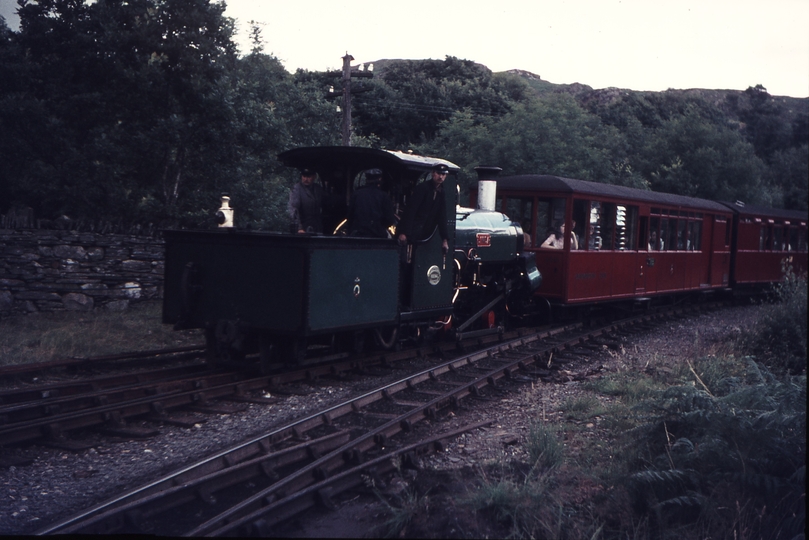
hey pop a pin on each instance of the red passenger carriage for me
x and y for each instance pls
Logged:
(767, 241)
(627, 244)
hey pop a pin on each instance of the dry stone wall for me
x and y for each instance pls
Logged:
(54, 270)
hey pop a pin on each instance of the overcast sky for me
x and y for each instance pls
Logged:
(634, 44)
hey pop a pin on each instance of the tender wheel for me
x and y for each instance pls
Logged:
(291, 350)
(224, 345)
(266, 353)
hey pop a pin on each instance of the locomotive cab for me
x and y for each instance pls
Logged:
(282, 294)
(425, 282)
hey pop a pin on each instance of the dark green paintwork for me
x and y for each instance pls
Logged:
(351, 288)
(502, 236)
(284, 284)
(425, 295)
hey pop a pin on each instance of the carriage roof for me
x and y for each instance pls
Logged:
(558, 184)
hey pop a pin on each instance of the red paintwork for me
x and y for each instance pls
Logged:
(582, 276)
(754, 264)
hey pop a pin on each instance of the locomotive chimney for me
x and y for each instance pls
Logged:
(487, 187)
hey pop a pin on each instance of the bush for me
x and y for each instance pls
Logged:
(780, 339)
(725, 457)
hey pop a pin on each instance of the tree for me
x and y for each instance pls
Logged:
(409, 98)
(552, 135)
(788, 176)
(691, 156)
(765, 127)
(127, 102)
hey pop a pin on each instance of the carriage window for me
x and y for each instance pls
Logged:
(694, 236)
(764, 238)
(655, 243)
(608, 212)
(793, 239)
(594, 239)
(543, 224)
(626, 223)
(778, 239)
(550, 217)
(802, 239)
(643, 234)
(581, 217)
(682, 240)
(664, 233)
(521, 210)
(671, 237)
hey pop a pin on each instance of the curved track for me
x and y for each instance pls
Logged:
(255, 485)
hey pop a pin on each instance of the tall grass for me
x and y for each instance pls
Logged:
(544, 450)
(40, 337)
(526, 508)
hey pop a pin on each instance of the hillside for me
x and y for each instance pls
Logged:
(732, 103)
(729, 102)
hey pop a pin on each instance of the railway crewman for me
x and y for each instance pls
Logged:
(426, 210)
(370, 211)
(305, 206)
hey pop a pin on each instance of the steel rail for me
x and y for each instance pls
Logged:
(160, 398)
(320, 493)
(30, 403)
(74, 362)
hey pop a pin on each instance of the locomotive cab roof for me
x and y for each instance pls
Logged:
(328, 160)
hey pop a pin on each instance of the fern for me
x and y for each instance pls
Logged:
(692, 500)
(744, 441)
(670, 477)
(763, 485)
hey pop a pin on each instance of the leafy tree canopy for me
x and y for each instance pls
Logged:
(143, 111)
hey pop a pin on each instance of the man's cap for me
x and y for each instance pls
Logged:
(371, 174)
(307, 172)
(441, 168)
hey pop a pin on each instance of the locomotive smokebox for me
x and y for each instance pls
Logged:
(487, 187)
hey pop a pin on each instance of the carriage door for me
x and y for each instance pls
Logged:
(642, 256)
(720, 251)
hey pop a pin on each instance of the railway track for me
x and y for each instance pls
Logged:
(49, 412)
(252, 487)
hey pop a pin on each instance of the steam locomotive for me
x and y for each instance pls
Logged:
(286, 295)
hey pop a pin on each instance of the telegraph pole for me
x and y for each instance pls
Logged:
(345, 79)
(347, 99)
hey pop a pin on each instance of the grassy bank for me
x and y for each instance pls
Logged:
(712, 446)
(40, 337)
(709, 445)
